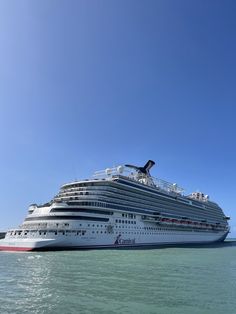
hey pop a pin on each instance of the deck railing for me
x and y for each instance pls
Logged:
(120, 171)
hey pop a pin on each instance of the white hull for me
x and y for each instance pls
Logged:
(73, 242)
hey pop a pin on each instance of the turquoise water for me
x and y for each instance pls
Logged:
(168, 280)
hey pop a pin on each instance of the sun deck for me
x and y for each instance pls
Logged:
(127, 173)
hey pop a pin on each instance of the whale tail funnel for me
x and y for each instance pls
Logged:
(145, 169)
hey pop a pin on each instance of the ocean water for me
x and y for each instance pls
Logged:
(167, 280)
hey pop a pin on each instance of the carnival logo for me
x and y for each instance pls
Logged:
(119, 240)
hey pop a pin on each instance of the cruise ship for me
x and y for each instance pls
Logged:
(119, 207)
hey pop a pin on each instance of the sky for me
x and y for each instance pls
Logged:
(86, 85)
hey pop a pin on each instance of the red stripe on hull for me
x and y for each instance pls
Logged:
(15, 248)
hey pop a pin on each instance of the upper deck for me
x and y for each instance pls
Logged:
(128, 173)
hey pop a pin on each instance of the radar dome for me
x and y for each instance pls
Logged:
(120, 169)
(108, 171)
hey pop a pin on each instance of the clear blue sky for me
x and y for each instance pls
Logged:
(89, 84)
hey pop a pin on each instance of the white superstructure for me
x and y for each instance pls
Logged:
(119, 207)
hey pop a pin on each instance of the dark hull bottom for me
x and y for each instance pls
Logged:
(137, 247)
